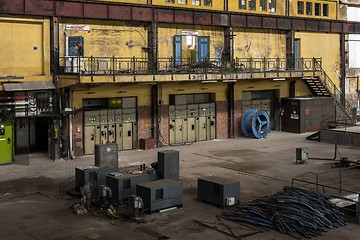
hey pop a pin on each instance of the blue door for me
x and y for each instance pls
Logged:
(177, 50)
(203, 49)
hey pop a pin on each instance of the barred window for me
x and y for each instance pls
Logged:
(326, 10)
(263, 4)
(169, 1)
(272, 6)
(242, 4)
(317, 9)
(207, 2)
(308, 8)
(300, 7)
(252, 5)
(196, 2)
(182, 1)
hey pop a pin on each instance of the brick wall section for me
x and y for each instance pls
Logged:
(221, 120)
(237, 118)
(164, 125)
(78, 141)
(144, 122)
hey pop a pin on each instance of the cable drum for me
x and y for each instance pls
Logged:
(255, 123)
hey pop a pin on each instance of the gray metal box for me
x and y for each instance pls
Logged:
(168, 164)
(302, 154)
(124, 185)
(218, 190)
(160, 194)
(106, 155)
(92, 174)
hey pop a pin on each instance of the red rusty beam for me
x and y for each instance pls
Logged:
(146, 13)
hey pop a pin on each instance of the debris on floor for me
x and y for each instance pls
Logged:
(79, 209)
(293, 211)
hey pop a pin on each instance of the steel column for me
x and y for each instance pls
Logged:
(230, 103)
(228, 45)
(155, 113)
(342, 68)
(290, 38)
(153, 45)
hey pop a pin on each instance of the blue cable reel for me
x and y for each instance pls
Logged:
(255, 123)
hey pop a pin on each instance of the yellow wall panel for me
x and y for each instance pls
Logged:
(259, 43)
(199, 4)
(166, 35)
(106, 38)
(142, 92)
(219, 89)
(312, 45)
(25, 47)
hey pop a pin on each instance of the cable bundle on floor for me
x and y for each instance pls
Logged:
(293, 211)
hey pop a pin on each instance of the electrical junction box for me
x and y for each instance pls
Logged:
(92, 174)
(302, 154)
(123, 185)
(160, 194)
(230, 201)
(218, 191)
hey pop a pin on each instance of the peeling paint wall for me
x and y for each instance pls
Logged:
(259, 43)
(106, 38)
(25, 48)
(167, 32)
(312, 45)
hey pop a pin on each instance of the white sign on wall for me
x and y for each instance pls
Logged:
(78, 27)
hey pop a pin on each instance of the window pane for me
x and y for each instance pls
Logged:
(272, 5)
(325, 9)
(242, 4)
(263, 5)
(308, 8)
(300, 7)
(317, 9)
(169, 1)
(196, 2)
(208, 2)
(252, 4)
(182, 1)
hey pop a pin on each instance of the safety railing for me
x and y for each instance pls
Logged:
(134, 65)
(348, 109)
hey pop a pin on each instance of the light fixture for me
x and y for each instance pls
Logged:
(229, 80)
(278, 79)
(308, 78)
(209, 81)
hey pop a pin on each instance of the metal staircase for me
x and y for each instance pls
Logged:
(323, 86)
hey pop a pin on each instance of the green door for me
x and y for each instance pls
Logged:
(6, 142)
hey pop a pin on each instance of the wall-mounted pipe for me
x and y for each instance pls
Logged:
(255, 123)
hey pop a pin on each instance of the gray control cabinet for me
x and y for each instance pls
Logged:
(168, 164)
(160, 194)
(106, 155)
(92, 174)
(124, 185)
(218, 190)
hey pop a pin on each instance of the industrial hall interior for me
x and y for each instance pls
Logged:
(110, 79)
(79, 73)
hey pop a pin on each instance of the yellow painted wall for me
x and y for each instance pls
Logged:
(326, 46)
(126, 1)
(259, 43)
(106, 38)
(233, 6)
(333, 9)
(142, 92)
(216, 4)
(191, 88)
(25, 48)
(266, 84)
(167, 32)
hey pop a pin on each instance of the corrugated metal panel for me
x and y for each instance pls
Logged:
(27, 86)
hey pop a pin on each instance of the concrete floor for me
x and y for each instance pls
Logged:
(34, 203)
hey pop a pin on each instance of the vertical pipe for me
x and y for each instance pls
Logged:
(230, 100)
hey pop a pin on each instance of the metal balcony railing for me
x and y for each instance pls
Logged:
(118, 66)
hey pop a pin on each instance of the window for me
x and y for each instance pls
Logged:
(169, 1)
(263, 4)
(182, 1)
(208, 3)
(242, 4)
(308, 8)
(272, 6)
(326, 10)
(354, 50)
(300, 7)
(317, 9)
(252, 5)
(196, 2)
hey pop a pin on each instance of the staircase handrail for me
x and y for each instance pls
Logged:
(336, 94)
